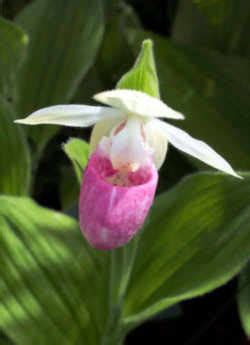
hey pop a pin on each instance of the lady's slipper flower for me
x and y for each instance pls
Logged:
(114, 203)
(128, 145)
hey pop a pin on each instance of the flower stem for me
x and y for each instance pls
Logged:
(121, 264)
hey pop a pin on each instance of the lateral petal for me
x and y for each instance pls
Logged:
(196, 148)
(72, 115)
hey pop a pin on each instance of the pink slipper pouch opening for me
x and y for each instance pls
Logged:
(112, 208)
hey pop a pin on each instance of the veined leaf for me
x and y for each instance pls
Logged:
(64, 38)
(196, 239)
(13, 43)
(14, 154)
(53, 287)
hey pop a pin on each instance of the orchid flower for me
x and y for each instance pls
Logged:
(128, 146)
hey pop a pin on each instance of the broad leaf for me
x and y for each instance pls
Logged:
(216, 11)
(115, 56)
(211, 92)
(64, 38)
(244, 299)
(221, 25)
(13, 42)
(14, 154)
(53, 288)
(115, 44)
(77, 151)
(196, 239)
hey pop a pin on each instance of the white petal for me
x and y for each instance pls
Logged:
(136, 102)
(102, 129)
(128, 149)
(196, 148)
(157, 140)
(72, 115)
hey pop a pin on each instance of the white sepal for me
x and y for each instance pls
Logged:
(128, 148)
(196, 148)
(138, 103)
(157, 141)
(72, 115)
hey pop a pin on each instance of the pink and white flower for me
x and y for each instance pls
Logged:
(128, 145)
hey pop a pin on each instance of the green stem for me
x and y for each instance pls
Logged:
(121, 264)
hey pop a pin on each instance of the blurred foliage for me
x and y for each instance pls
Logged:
(193, 228)
(215, 24)
(63, 44)
(49, 279)
(14, 151)
(14, 154)
(13, 44)
(53, 286)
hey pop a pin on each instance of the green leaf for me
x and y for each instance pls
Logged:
(215, 10)
(51, 283)
(115, 44)
(77, 151)
(221, 25)
(14, 154)
(106, 71)
(143, 75)
(12, 47)
(244, 299)
(196, 239)
(212, 91)
(64, 38)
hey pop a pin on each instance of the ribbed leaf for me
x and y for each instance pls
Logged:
(196, 239)
(64, 38)
(13, 42)
(53, 288)
(14, 154)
